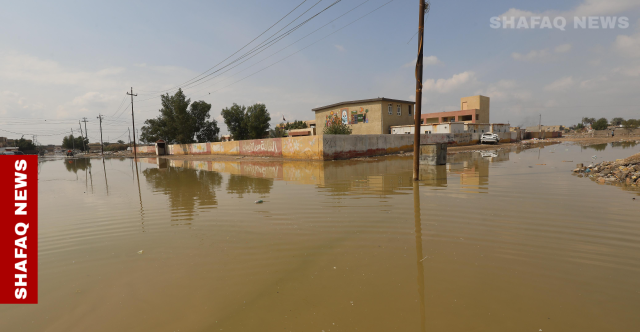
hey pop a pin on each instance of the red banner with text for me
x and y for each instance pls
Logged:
(18, 229)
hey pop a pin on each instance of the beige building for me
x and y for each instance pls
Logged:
(366, 117)
(474, 109)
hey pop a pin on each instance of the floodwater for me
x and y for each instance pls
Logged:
(493, 241)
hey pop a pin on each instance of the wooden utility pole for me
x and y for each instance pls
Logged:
(82, 135)
(86, 133)
(133, 121)
(424, 8)
(101, 144)
(540, 127)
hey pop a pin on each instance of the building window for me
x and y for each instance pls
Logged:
(390, 109)
(409, 109)
(399, 110)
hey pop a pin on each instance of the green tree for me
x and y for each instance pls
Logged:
(601, 124)
(276, 132)
(180, 123)
(206, 130)
(579, 126)
(297, 124)
(337, 128)
(71, 142)
(587, 121)
(236, 121)
(617, 121)
(120, 141)
(24, 145)
(631, 124)
(258, 121)
(247, 122)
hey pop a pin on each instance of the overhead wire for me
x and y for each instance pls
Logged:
(292, 54)
(261, 47)
(282, 49)
(236, 52)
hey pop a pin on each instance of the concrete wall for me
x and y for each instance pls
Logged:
(352, 146)
(618, 132)
(326, 147)
(543, 135)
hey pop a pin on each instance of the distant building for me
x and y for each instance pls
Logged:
(226, 138)
(366, 117)
(545, 128)
(454, 128)
(474, 109)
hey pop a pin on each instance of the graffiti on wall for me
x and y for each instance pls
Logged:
(347, 117)
(272, 147)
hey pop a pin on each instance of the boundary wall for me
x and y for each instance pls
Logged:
(325, 147)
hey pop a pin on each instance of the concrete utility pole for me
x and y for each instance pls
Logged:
(101, 144)
(424, 8)
(82, 135)
(129, 130)
(135, 154)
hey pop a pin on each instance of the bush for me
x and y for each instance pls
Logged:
(601, 124)
(337, 128)
(631, 124)
(116, 147)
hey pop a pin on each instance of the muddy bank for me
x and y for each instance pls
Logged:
(622, 171)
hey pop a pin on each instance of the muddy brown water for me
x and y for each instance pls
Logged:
(493, 241)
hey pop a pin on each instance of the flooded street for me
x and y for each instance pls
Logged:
(493, 241)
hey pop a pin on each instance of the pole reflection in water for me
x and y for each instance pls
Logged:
(104, 167)
(139, 196)
(419, 258)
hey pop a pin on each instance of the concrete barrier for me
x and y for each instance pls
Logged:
(325, 147)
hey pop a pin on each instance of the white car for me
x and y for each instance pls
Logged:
(489, 138)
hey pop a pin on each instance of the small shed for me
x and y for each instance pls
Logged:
(161, 148)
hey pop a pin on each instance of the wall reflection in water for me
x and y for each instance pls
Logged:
(379, 176)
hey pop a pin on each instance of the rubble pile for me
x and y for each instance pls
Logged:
(623, 171)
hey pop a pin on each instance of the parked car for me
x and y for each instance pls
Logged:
(10, 153)
(489, 138)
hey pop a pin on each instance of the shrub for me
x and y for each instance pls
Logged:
(337, 128)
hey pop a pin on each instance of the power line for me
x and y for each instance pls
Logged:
(282, 49)
(260, 48)
(236, 52)
(292, 54)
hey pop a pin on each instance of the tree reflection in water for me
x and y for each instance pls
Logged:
(74, 165)
(185, 188)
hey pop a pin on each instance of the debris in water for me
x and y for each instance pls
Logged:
(140, 252)
(259, 201)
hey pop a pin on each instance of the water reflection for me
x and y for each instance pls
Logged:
(241, 185)
(383, 176)
(75, 165)
(419, 257)
(624, 144)
(603, 146)
(185, 188)
(597, 147)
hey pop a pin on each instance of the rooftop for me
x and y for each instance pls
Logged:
(360, 102)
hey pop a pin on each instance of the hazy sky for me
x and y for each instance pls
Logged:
(61, 61)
